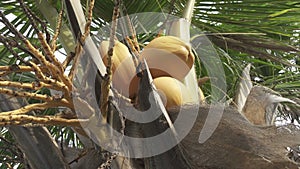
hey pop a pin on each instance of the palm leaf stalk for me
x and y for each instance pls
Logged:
(181, 29)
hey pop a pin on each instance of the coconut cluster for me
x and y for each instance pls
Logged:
(169, 60)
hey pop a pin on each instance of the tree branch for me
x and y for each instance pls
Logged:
(8, 120)
(36, 106)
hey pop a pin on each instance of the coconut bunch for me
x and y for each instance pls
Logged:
(169, 60)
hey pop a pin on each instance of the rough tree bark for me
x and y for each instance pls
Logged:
(236, 144)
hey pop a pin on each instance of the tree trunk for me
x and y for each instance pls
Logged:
(238, 144)
(235, 144)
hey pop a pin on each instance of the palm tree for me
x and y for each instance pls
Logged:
(263, 33)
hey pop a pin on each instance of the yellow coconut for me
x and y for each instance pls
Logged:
(173, 92)
(120, 53)
(168, 56)
(123, 69)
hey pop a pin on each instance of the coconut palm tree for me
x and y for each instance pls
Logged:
(263, 33)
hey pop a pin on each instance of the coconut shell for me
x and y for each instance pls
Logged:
(123, 69)
(168, 56)
(120, 53)
(173, 92)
